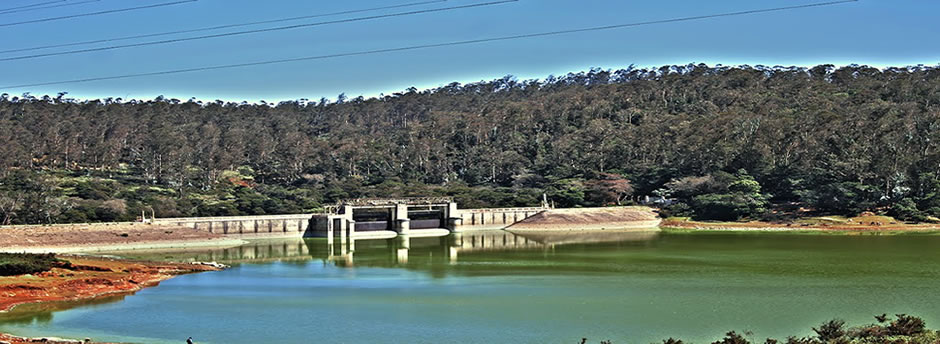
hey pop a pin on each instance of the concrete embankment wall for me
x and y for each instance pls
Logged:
(490, 219)
(247, 227)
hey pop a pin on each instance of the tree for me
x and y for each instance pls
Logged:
(608, 188)
(835, 140)
(740, 199)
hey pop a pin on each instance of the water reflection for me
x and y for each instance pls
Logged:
(40, 313)
(394, 252)
(586, 237)
(640, 291)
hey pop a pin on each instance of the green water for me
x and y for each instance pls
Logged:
(501, 288)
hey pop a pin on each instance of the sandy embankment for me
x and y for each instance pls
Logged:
(105, 237)
(589, 225)
(590, 219)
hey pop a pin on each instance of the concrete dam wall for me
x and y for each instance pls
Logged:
(246, 227)
(382, 221)
(490, 219)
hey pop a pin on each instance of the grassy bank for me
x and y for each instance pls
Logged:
(12, 264)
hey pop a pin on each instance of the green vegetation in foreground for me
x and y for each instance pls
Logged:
(12, 264)
(903, 329)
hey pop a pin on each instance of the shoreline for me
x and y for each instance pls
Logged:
(11, 339)
(85, 278)
(692, 227)
(90, 277)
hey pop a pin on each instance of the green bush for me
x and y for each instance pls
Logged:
(12, 264)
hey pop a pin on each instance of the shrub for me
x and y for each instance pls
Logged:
(906, 325)
(732, 338)
(797, 340)
(12, 264)
(677, 209)
(830, 330)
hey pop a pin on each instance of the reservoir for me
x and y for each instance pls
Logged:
(499, 287)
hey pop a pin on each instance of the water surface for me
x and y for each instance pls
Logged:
(502, 288)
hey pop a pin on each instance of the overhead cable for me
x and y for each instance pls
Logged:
(433, 45)
(96, 13)
(210, 28)
(48, 7)
(246, 32)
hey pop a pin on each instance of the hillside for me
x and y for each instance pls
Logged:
(722, 142)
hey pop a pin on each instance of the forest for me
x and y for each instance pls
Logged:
(710, 142)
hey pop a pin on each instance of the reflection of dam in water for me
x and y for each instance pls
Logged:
(491, 241)
(394, 251)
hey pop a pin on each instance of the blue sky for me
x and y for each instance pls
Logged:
(873, 32)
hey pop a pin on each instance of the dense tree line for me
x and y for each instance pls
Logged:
(725, 142)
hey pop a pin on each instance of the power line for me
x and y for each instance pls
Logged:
(33, 8)
(219, 27)
(33, 5)
(96, 13)
(434, 45)
(237, 33)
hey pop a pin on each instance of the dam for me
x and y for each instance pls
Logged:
(364, 218)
